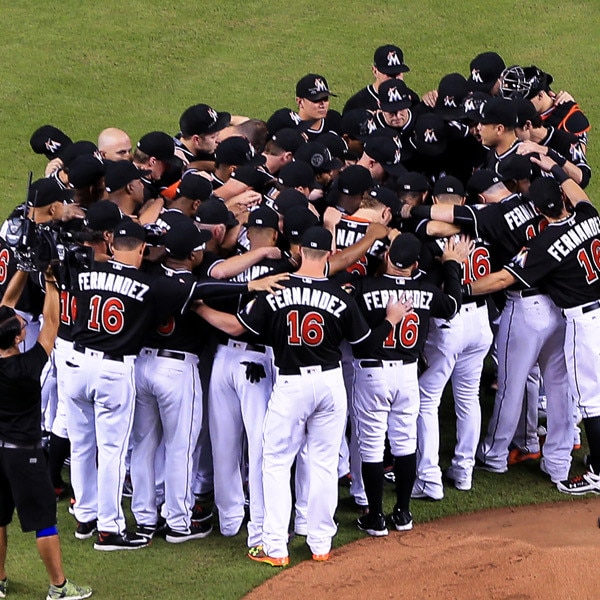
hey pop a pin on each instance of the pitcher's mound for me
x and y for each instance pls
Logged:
(545, 551)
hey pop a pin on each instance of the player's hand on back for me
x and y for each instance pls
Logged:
(545, 163)
(377, 231)
(458, 249)
(396, 311)
(268, 284)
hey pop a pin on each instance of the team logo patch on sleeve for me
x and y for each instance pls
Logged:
(520, 258)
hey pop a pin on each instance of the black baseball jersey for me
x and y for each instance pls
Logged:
(565, 257)
(369, 99)
(305, 322)
(350, 230)
(406, 340)
(117, 304)
(404, 132)
(180, 331)
(493, 158)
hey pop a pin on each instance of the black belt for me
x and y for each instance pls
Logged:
(527, 293)
(80, 348)
(478, 300)
(11, 446)
(171, 354)
(378, 364)
(297, 371)
(590, 307)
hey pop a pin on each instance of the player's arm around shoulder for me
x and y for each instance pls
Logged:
(456, 252)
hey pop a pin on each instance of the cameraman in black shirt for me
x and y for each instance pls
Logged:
(24, 480)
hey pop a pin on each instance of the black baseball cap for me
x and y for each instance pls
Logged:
(394, 95)
(452, 90)
(263, 216)
(481, 181)
(120, 173)
(485, 70)
(313, 87)
(184, 237)
(289, 198)
(515, 167)
(499, 111)
(412, 182)
(70, 152)
(49, 141)
(318, 157)
(158, 144)
(214, 212)
(404, 250)
(46, 191)
(473, 105)
(86, 170)
(387, 152)
(283, 118)
(129, 228)
(358, 124)
(201, 119)
(525, 111)
(387, 197)
(317, 238)
(389, 60)
(103, 216)
(296, 221)
(194, 186)
(354, 180)
(253, 177)
(297, 174)
(546, 195)
(448, 185)
(334, 143)
(237, 150)
(429, 136)
(288, 139)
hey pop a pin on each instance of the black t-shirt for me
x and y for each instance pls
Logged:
(565, 257)
(306, 322)
(20, 396)
(406, 340)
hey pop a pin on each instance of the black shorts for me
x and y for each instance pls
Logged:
(25, 485)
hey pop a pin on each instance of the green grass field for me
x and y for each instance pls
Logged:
(137, 65)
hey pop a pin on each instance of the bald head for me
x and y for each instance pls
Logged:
(114, 144)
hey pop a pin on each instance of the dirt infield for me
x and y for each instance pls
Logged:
(547, 551)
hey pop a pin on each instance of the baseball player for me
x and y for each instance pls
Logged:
(304, 324)
(454, 349)
(386, 389)
(562, 259)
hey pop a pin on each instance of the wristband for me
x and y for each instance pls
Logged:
(421, 212)
(559, 174)
(559, 159)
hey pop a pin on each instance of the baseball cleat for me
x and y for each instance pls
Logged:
(110, 542)
(373, 524)
(402, 520)
(197, 531)
(146, 531)
(257, 554)
(517, 456)
(582, 484)
(321, 557)
(483, 466)
(3, 587)
(201, 513)
(69, 591)
(85, 531)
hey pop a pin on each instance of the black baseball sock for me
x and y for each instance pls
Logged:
(58, 451)
(372, 474)
(592, 432)
(405, 471)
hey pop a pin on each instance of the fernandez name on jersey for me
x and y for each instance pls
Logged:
(303, 296)
(111, 282)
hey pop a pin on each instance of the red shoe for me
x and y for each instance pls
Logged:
(517, 456)
(321, 557)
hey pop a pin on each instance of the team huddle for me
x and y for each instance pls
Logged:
(250, 303)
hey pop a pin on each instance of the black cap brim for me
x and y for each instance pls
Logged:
(395, 71)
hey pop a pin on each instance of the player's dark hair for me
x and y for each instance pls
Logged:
(415, 197)
(10, 327)
(126, 243)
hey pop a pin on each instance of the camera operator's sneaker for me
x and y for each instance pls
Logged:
(69, 591)
(3, 587)
(109, 542)
(582, 484)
